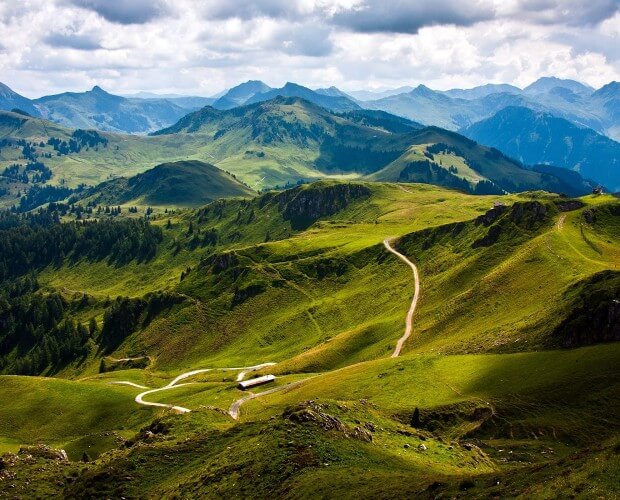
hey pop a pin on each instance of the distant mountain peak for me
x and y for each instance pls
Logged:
(612, 89)
(292, 85)
(98, 90)
(547, 83)
(423, 90)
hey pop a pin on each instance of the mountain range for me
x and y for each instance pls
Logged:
(452, 109)
(103, 111)
(457, 109)
(536, 137)
(268, 144)
(278, 136)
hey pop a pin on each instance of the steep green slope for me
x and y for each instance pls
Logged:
(487, 280)
(446, 158)
(247, 277)
(182, 184)
(542, 138)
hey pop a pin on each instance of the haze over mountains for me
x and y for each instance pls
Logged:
(537, 137)
(451, 109)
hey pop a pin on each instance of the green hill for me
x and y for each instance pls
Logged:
(182, 184)
(301, 278)
(441, 157)
(273, 143)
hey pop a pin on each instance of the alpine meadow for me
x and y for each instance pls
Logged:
(399, 278)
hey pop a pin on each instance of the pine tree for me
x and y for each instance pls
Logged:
(415, 418)
(92, 327)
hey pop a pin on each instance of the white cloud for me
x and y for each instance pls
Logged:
(173, 46)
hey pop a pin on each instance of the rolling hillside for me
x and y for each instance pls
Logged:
(182, 184)
(449, 159)
(507, 345)
(366, 142)
(272, 143)
(536, 138)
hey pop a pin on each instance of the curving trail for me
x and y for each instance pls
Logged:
(560, 223)
(175, 383)
(132, 384)
(234, 408)
(414, 302)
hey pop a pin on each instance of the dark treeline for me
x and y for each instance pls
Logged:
(29, 242)
(43, 331)
(37, 331)
(37, 196)
(125, 315)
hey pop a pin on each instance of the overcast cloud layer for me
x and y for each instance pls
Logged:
(201, 47)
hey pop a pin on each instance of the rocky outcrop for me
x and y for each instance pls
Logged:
(529, 213)
(220, 262)
(569, 205)
(491, 216)
(44, 451)
(316, 413)
(594, 315)
(305, 205)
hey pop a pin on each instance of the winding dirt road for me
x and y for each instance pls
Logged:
(560, 223)
(414, 302)
(243, 371)
(175, 383)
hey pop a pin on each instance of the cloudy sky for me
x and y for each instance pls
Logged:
(202, 46)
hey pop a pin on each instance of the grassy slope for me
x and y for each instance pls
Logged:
(57, 411)
(297, 311)
(180, 184)
(487, 165)
(344, 325)
(492, 298)
(472, 299)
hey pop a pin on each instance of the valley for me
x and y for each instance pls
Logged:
(276, 143)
